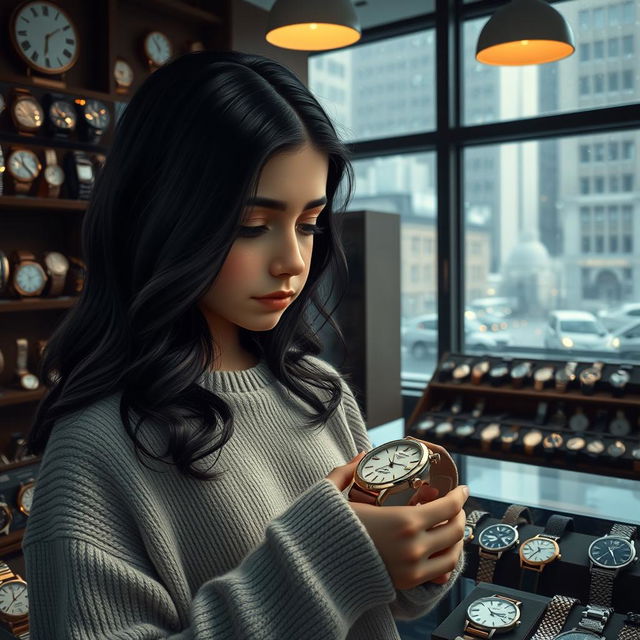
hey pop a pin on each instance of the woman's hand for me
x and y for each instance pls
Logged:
(421, 542)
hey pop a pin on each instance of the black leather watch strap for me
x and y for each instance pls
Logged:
(554, 618)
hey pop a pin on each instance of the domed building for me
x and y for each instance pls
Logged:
(528, 277)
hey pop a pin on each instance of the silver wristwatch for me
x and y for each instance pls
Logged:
(608, 555)
(594, 620)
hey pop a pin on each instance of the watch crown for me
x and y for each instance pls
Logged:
(434, 457)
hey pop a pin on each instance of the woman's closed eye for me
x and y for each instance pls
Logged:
(252, 232)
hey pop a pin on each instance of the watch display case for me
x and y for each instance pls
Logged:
(539, 616)
(47, 117)
(583, 416)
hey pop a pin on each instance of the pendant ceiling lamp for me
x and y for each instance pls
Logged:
(313, 25)
(525, 32)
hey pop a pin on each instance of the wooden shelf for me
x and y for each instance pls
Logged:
(480, 389)
(12, 397)
(180, 10)
(27, 81)
(37, 304)
(37, 204)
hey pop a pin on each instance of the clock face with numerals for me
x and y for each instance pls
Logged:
(44, 36)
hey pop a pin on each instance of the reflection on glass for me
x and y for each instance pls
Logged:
(561, 275)
(378, 90)
(602, 71)
(406, 185)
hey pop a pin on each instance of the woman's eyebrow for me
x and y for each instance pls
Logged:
(268, 203)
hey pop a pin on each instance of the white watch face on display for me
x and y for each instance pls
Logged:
(24, 164)
(390, 462)
(54, 175)
(538, 550)
(13, 598)
(27, 499)
(29, 277)
(158, 47)
(493, 613)
(30, 381)
(28, 112)
(123, 73)
(85, 172)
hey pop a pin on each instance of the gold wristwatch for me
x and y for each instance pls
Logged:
(391, 473)
(53, 175)
(14, 602)
(28, 278)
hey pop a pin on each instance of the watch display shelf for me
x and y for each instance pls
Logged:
(508, 406)
(108, 29)
(532, 610)
(567, 575)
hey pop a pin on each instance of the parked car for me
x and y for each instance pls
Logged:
(621, 316)
(420, 335)
(627, 339)
(577, 330)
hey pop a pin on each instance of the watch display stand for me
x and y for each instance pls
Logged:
(518, 406)
(532, 610)
(568, 575)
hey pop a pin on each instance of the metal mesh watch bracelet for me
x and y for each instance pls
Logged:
(602, 579)
(514, 515)
(554, 618)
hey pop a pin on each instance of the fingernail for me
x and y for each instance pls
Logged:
(465, 490)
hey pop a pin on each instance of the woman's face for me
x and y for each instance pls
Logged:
(276, 258)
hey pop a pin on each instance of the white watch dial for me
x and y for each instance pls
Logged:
(538, 550)
(31, 382)
(13, 598)
(54, 175)
(492, 612)
(28, 112)
(158, 48)
(45, 37)
(24, 164)
(123, 73)
(29, 277)
(390, 462)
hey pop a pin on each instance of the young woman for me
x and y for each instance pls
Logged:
(195, 448)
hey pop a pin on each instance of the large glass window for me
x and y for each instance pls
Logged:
(559, 266)
(605, 38)
(378, 90)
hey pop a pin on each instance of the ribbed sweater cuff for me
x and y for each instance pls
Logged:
(341, 556)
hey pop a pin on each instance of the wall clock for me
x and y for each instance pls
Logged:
(44, 36)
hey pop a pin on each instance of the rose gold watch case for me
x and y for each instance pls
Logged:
(400, 484)
(12, 617)
(25, 487)
(538, 565)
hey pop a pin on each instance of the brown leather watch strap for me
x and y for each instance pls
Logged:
(444, 473)
(517, 514)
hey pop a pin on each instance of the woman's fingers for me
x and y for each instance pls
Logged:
(436, 567)
(444, 508)
(424, 494)
(445, 535)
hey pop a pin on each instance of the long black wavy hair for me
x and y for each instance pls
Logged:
(166, 209)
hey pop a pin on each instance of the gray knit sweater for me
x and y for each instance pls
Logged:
(116, 551)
